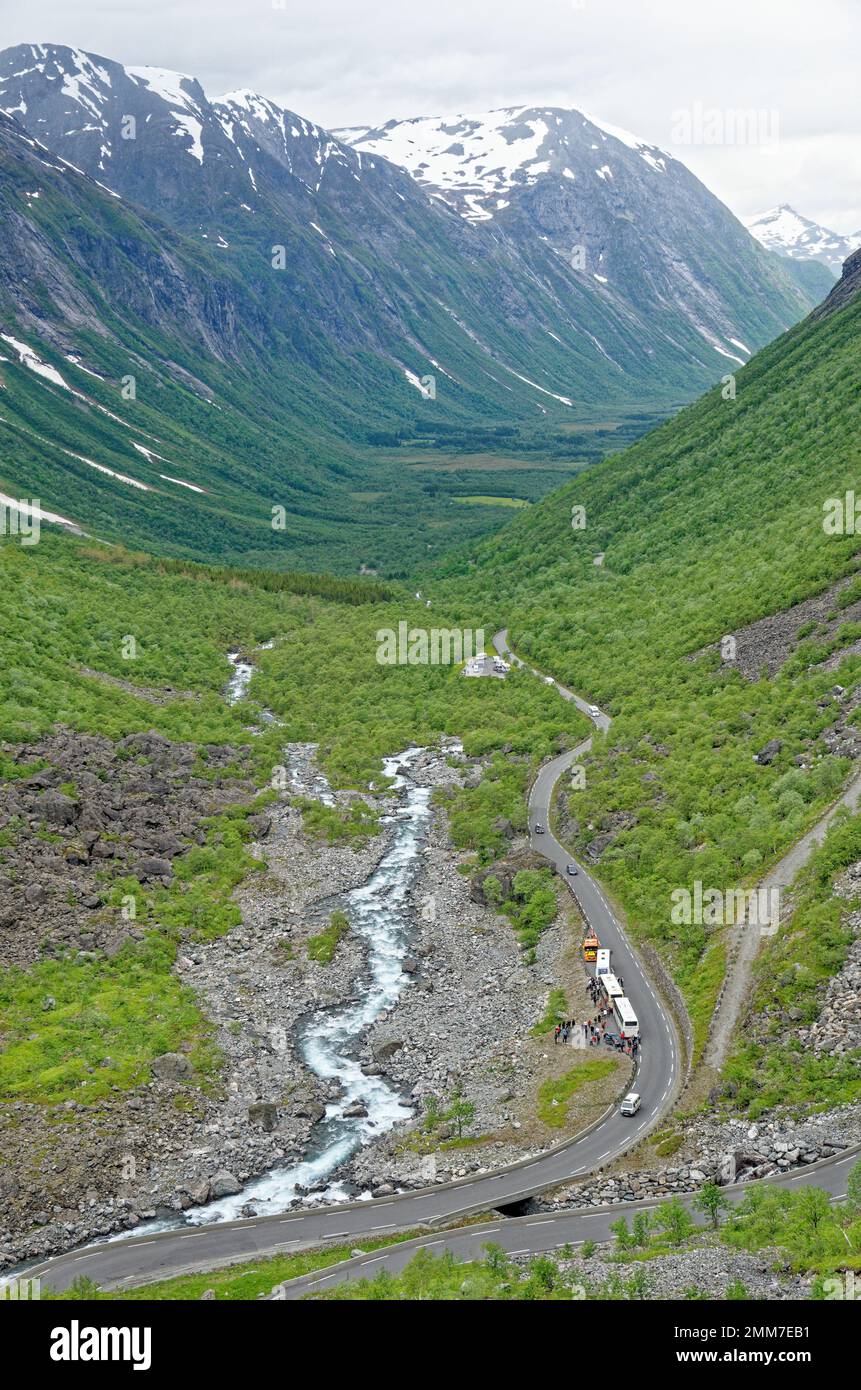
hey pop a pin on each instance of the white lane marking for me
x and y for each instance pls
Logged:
(95, 1252)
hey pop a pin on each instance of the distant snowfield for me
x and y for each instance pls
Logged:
(482, 155)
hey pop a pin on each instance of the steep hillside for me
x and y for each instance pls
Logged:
(373, 264)
(310, 329)
(711, 524)
(636, 219)
(240, 402)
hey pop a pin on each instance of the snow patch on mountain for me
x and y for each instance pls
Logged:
(480, 157)
(30, 359)
(787, 232)
(184, 108)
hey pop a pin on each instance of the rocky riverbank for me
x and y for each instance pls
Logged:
(168, 1145)
(465, 1024)
(463, 1019)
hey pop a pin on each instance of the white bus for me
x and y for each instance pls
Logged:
(602, 963)
(610, 987)
(626, 1019)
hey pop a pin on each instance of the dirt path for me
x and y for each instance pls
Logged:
(745, 941)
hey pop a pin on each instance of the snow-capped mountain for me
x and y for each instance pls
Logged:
(153, 136)
(785, 231)
(598, 243)
(476, 161)
(631, 216)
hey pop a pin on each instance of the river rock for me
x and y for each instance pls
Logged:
(387, 1048)
(263, 1113)
(224, 1184)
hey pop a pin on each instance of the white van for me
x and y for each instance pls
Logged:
(630, 1104)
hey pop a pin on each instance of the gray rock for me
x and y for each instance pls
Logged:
(153, 867)
(171, 1066)
(264, 1114)
(387, 1048)
(224, 1184)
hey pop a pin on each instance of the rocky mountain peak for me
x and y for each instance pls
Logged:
(787, 232)
(475, 161)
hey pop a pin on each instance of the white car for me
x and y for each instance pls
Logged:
(594, 712)
(630, 1104)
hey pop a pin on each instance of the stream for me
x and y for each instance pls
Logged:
(379, 913)
(328, 1041)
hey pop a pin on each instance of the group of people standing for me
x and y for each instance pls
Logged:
(595, 1029)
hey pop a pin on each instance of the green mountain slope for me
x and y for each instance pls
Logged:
(240, 395)
(710, 524)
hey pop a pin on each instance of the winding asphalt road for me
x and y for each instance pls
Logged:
(541, 1233)
(142, 1259)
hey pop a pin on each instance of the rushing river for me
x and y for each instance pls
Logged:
(379, 912)
(329, 1040)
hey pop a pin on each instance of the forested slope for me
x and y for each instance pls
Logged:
(712, 522)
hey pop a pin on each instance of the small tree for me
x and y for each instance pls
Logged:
(461, 1112)
(674, 1218)
(711, 1202)
(495, 1258)
(492, 890)
(433, 1114)
(545, 1272)
(640, 1228)
(621, 1232)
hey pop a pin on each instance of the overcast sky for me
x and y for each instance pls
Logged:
(636, 63)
